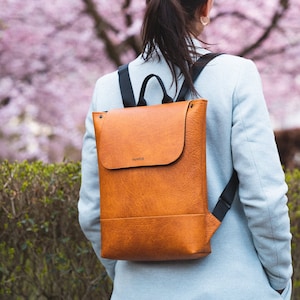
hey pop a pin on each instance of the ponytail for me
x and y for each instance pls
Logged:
(167, 26)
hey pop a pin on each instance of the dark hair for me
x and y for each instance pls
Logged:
(167, 26)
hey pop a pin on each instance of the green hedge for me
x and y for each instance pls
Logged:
(43, 253)
(293, 180)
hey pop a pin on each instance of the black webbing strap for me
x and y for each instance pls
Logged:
(225, 200)
(196, 69)
(126, 87)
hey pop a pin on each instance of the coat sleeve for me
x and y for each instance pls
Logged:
(89, 197)
(262, 187)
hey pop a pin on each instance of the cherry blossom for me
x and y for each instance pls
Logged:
(52, 52)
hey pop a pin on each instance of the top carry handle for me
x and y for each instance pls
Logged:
(226, 199)
(127, 90)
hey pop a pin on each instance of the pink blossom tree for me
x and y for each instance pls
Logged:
(51, 54)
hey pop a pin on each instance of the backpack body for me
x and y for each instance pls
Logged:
(152, 168)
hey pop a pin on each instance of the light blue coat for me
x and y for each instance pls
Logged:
(251, 254)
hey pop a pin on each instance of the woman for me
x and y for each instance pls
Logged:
(251, 256)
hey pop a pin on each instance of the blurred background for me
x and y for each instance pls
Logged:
(52, 52)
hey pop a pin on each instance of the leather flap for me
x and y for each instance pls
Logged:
(143, 136)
